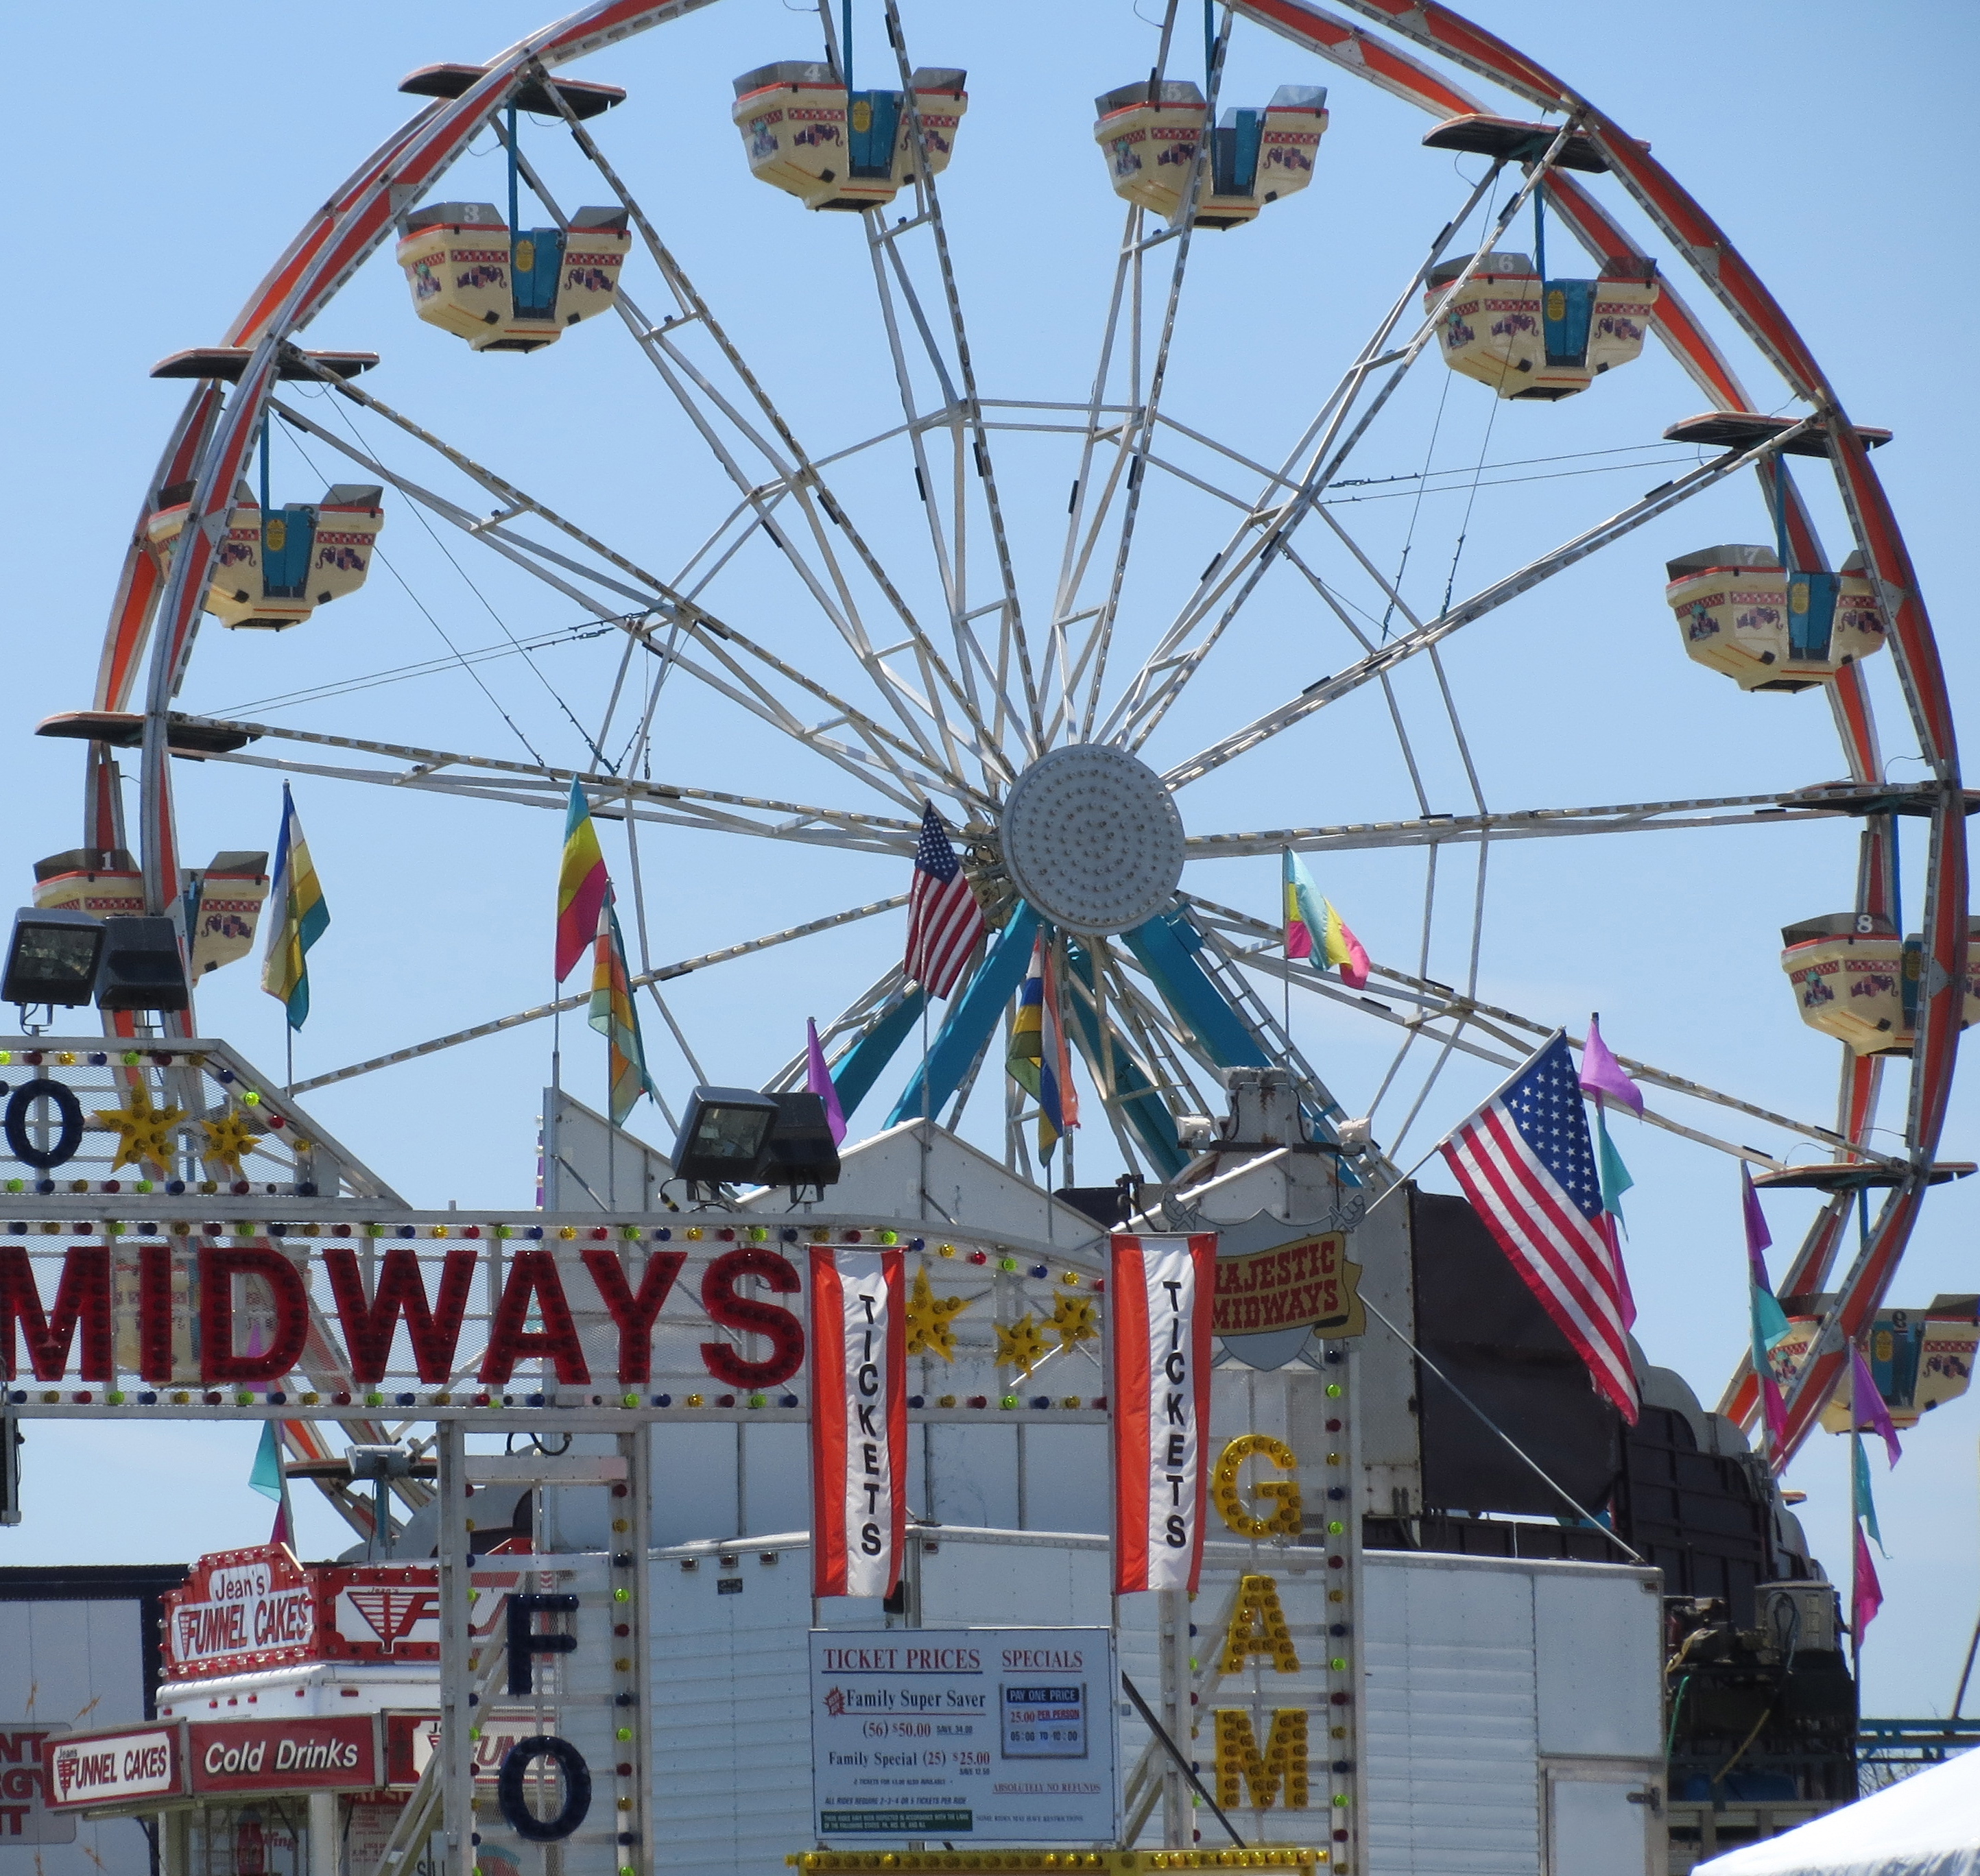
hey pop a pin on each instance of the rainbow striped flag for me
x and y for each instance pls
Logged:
(582, 884)
(1316, 932)
(302, 920)
(615, 1016)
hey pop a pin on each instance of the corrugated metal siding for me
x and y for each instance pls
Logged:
(730, 1739)
(1449, 1721)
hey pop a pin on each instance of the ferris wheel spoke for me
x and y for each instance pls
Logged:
(1404, 645)
(948, 544)
(884, 991)
(1277, 511)
(1151, 1029)
(1790, 808)
(537, 785)
(1137, 431)
(1012, 633)
(1082, 537)
(678, 604)
(884, 749)
(1437, 1003)
(787, 456)
(1224, 971)
(663, 974)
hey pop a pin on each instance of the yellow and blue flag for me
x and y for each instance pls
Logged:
(1040, 1067)
(615, 1016)
(300, 918)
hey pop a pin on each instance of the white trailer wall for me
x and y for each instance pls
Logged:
(1512, 1717)
(65, 1665)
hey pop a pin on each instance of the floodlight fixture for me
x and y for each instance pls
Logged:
(800, 1152)
(52, 959)
(722, 1136)
(143, 968)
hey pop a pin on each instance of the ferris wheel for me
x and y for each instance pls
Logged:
(1012, 604)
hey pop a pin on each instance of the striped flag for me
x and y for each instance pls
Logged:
(615, 1016)
(1037, 1058)
(300, 922)
(1299, 895)
(1160, 1289)
(859, 1421)
(944, 920)
(1525, 1164)
(582, 884)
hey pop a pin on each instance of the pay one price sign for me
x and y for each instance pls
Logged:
(955, 1735)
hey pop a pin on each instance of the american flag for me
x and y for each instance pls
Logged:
(944, 920)
(1525, 1163)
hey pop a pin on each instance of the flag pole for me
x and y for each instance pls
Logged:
(1856, 1532)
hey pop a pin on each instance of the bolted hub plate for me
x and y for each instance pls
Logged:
(1092, 838)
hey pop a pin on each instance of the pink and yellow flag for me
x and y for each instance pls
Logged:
(581, 885)
(1315, 931)
(1343, 949)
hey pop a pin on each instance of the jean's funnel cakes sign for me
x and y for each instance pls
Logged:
(981, 1735)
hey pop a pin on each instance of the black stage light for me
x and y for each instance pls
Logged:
(52, 958)
(722, 1136)
(801, 1153)
(143, 968)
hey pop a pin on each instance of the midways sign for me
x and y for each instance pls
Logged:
(387, 1315)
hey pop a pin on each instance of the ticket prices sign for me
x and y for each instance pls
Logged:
(1308, 1283)
(977, 1735)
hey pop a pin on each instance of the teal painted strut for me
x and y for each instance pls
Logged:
(1166, 948)
(860, 1067)
(1141, 1106)
(972, 1017)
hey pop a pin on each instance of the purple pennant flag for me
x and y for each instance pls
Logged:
(1869, 1410)
(1866, 1594)
(1775, 1408)
(818, 1080)
(1758, 1237)
(1601, 1073)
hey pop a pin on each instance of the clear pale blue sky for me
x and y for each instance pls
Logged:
(175, 148)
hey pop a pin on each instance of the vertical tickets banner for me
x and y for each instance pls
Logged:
(1163, 1290)
(858, 1422)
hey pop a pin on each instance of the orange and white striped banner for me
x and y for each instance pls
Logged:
(859, 1421)
(1162, 1290)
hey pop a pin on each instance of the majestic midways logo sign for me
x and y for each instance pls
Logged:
(1309, 1283)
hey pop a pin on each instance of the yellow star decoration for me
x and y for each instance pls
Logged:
(144, 1132)
(1072, 1316)
(1020, 1347)
(931, 1330)
(227, 1138)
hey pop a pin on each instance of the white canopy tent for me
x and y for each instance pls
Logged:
(1928, 1826)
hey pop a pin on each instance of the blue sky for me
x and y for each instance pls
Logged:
(181, 145)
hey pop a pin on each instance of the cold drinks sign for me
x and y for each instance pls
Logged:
(976, 1735)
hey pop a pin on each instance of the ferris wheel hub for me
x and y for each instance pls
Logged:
(1092, 838)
